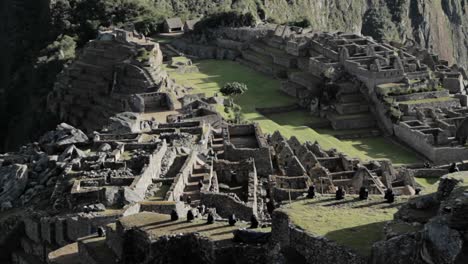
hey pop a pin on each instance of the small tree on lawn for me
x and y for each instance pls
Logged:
(233, 89)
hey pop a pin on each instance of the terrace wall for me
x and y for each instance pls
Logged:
(226, 205)
(315, 249)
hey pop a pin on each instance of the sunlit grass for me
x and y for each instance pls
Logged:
(350, 222)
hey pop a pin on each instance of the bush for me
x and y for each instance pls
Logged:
(305, 23)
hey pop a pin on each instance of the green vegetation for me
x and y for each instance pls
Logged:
(390, 89)
(264, 92)
(428, 100)
(351, 222)
(143, 55)
(378, 24)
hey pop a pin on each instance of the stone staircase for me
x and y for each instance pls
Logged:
(199, 172)
(218, 144)
(376, 184)
(351, 111)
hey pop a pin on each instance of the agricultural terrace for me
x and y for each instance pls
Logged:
(264, 92)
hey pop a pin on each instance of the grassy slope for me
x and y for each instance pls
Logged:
(264, 92)
(352, 223)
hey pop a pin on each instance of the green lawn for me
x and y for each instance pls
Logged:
(350, 222)
(264, 92)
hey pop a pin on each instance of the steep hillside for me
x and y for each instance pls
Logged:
(32, 45)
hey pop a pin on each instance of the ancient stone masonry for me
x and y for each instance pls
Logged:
(328, 170)
(126, 192)
(331, 73)
(107, 77)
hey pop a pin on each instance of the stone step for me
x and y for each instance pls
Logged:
(352, 108)
(354, 121)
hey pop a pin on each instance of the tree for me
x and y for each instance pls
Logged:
(233, 89)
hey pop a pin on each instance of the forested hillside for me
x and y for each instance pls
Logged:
(38, 37)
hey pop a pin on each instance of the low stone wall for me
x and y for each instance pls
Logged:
(163, 207)
(226, 205)
(314, 249)
(429, 173)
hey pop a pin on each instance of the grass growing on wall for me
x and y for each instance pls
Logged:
(264, 91)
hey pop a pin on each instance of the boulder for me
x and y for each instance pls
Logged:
(64, 134)
(71, 152)
(13, 181)
(397, 250)
(441, 244)
(446, 186)
(459, 216)
(105, 148)
(122, 123)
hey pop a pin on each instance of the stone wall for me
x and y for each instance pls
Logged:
(418, 141)
(315, 249)
(226, 205)
(136, 191)
(177, 188)
(261, 156)
(163, 207)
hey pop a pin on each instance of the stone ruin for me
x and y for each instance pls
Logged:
(119, 71)
(354, 82)
(126, 179)
(297, 166)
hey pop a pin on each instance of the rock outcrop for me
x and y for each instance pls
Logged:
(443, 239)
(13, 180)
(63, 135)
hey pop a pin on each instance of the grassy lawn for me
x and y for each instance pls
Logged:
(264, 92)
(351, 222)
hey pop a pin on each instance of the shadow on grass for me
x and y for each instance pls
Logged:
(369, 204)
(320, 201)
(360, 238)
(341, 202)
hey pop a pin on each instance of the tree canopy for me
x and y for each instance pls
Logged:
(233, 89)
